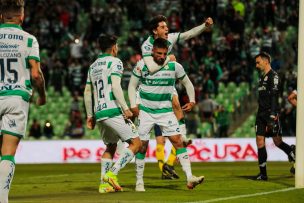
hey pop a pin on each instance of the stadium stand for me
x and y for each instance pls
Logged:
(67, 31)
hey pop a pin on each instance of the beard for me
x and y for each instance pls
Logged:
(160, 61)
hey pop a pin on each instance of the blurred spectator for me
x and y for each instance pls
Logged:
(35, 129)
(207, 107)
(48, 129)
(67, 32)
(222, 121)
(75, 128)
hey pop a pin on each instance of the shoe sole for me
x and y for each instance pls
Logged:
(140, 190)
(103, 191)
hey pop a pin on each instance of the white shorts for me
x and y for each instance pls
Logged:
(166, 121)
(13, 116)
(116, 128)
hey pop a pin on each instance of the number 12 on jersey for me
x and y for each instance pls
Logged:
(99, 88)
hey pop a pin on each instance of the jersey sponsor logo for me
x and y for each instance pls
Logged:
(101, 107)
(276, 80)
(10, 87)
(96, 71)
(8, 55)
(11, 36)
(8, 46)
(12, 123)
(147, 48)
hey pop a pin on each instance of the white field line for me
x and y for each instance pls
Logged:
(244, 196)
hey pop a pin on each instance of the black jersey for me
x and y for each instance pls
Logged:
(269, 93)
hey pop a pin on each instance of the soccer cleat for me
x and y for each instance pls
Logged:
(293, 169)
(261, 177)
(194, 181)
(170, 170)
(105, 188)
(167, 176)
(140, 187)
(292, 156)
(112, 179)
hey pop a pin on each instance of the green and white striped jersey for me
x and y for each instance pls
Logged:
(156, 91)
(17, 47)
(147, 46)
(99, 76)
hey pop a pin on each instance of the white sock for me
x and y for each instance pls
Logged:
(125, 157)
(7, 169)
(184, 160)
(106, 164)
(140, 167)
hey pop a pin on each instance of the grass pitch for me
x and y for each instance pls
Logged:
(224, 182)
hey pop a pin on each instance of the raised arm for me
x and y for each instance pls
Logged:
(196, 30)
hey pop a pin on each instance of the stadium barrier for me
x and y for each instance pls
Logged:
(202, 150)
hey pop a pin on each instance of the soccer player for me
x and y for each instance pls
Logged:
(156, 93)
(267, 119)
(159, 29)
(103, 92)
(19, 68)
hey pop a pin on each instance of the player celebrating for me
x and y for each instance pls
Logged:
(103, 83)
(159, 29)
(156, 93)
(19, 65)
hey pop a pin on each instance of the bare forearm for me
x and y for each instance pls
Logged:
(88, 101)
(39, 84)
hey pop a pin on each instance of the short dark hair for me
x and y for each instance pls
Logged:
(160, 43)
(11, 8)
(106, 41)
(153, 24)
(264, 55)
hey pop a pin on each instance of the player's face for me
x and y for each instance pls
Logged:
(260, 63)
(159, 55)
(162, 30)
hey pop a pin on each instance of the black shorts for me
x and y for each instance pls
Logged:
(261, 125)
(157, 131)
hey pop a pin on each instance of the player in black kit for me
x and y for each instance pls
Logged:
(267, 119)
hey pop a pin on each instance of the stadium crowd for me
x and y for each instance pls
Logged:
(67, 32)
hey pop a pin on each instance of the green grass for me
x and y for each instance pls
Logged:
(79, 183)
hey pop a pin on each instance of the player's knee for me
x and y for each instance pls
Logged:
(277, 141)
(260, 141)
(136, 144)
(160, 140)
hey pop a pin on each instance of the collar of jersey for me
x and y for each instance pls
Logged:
(10, 25)
(103, 55)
